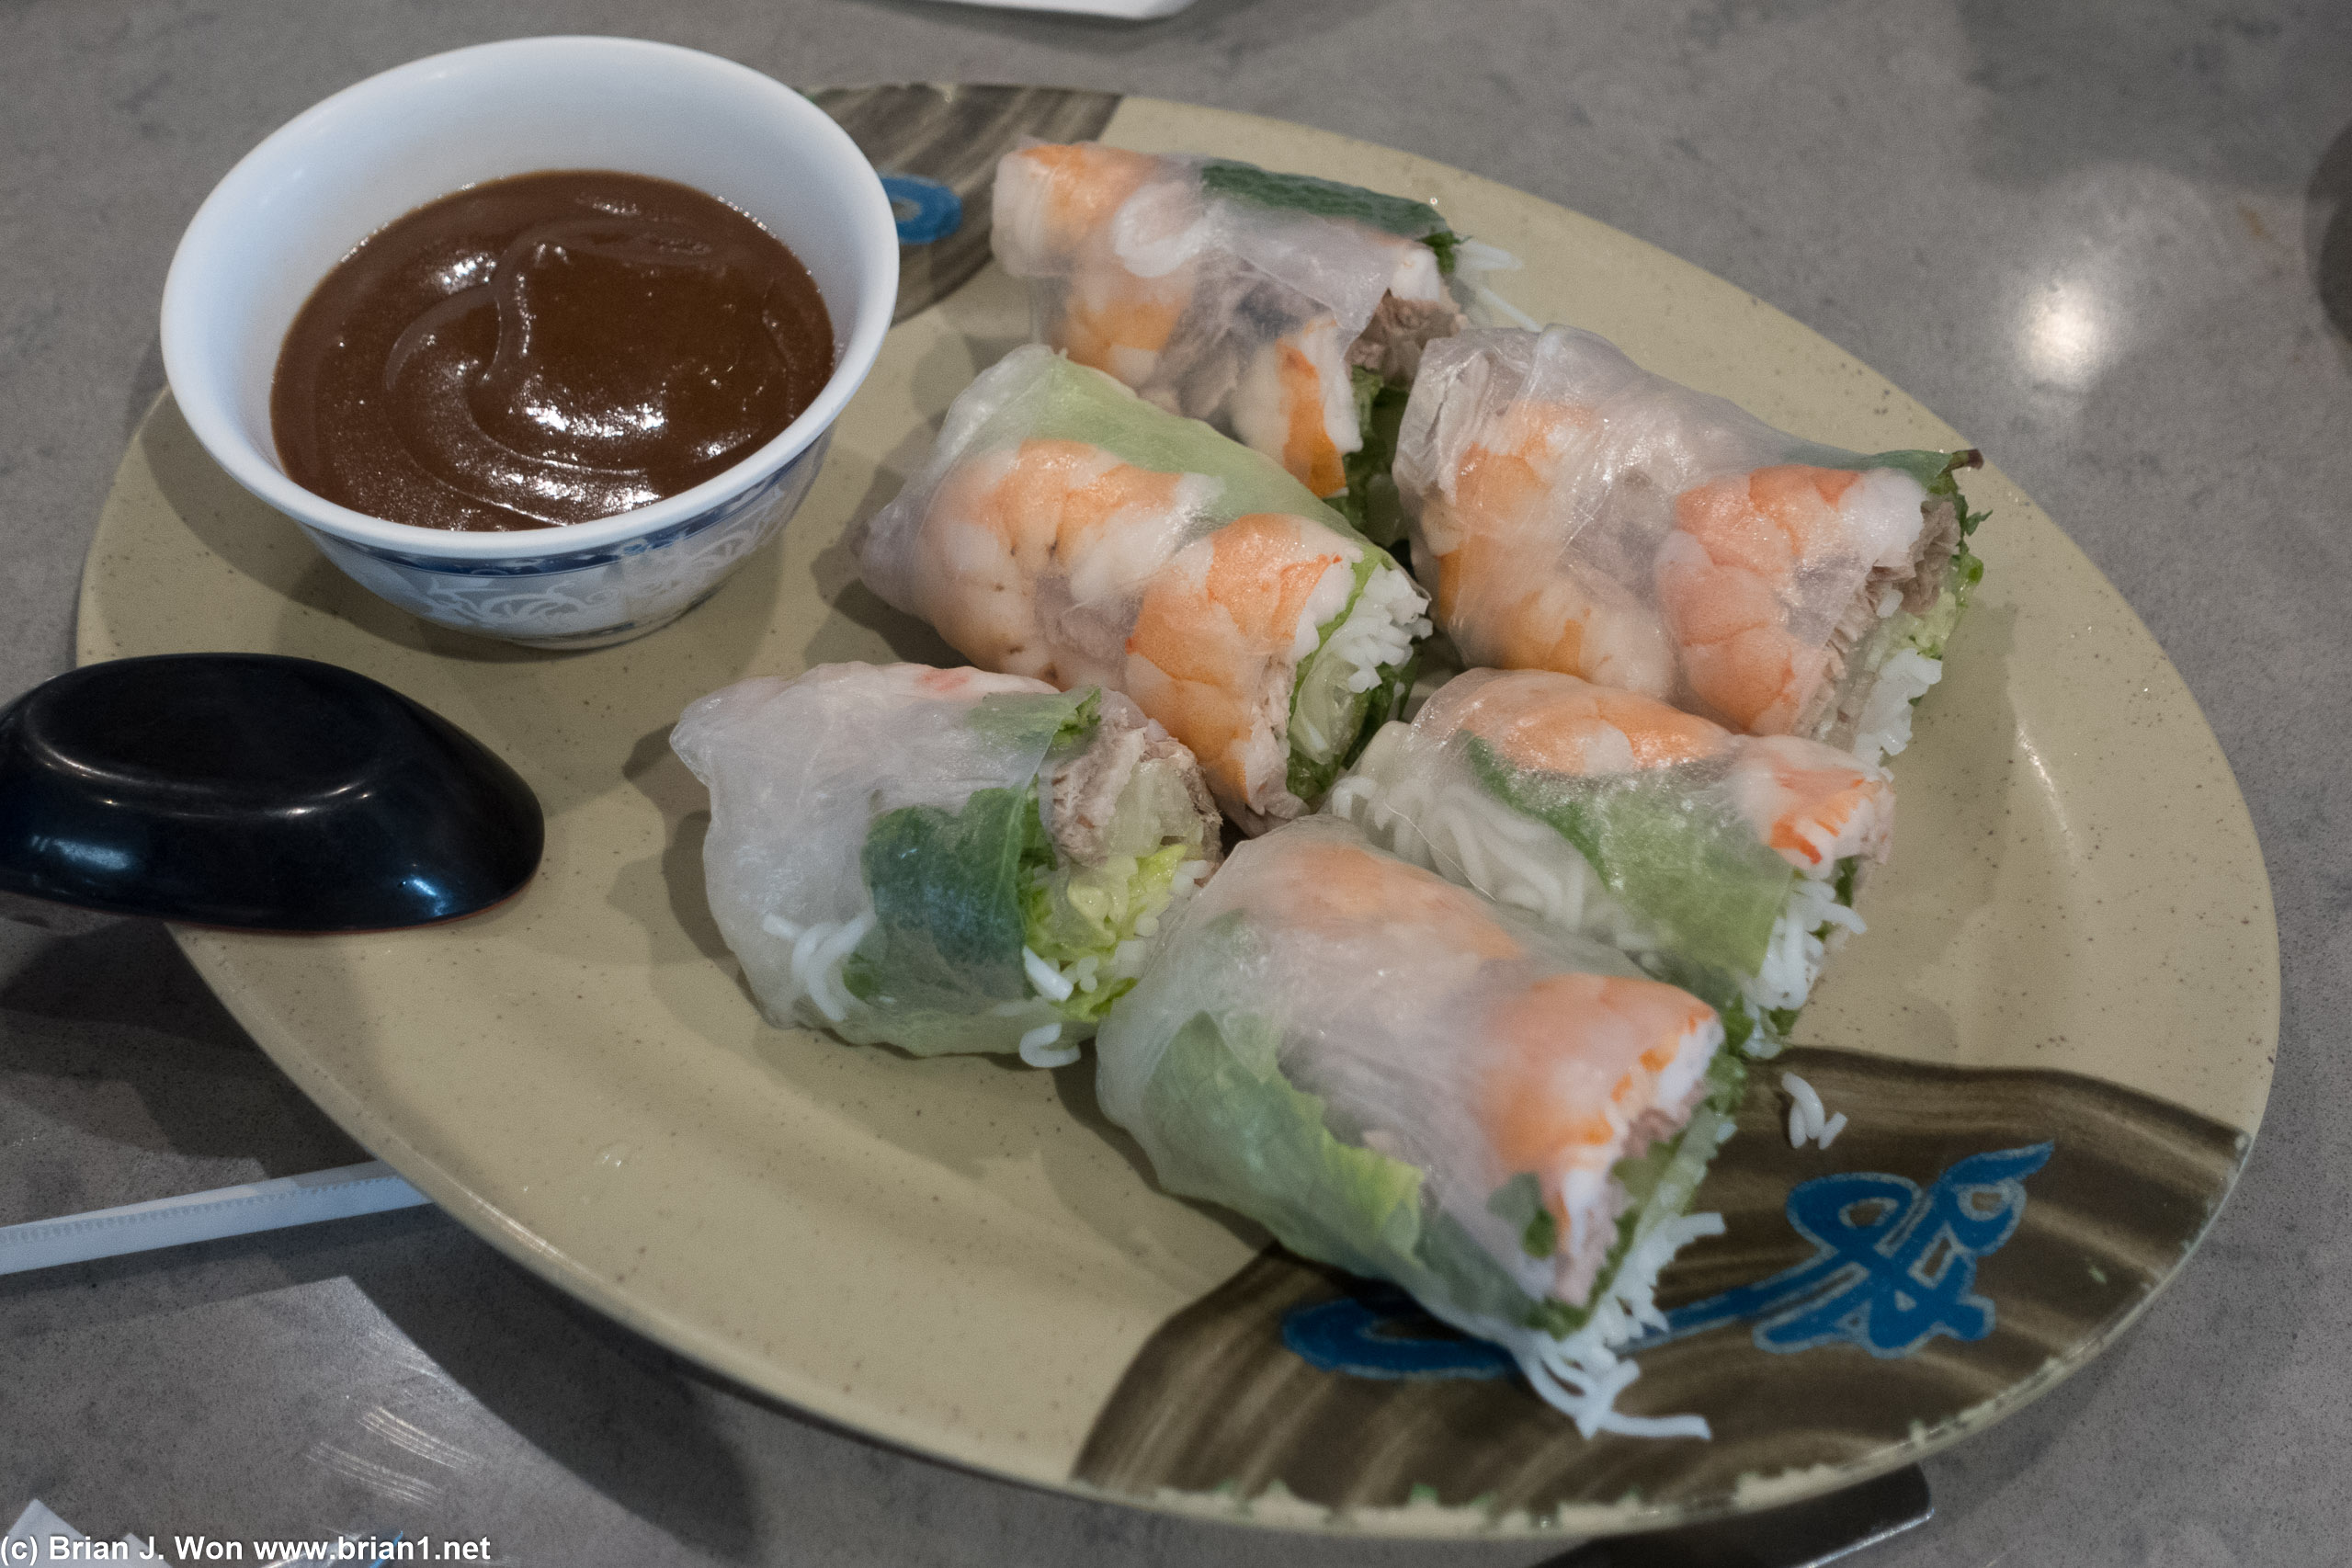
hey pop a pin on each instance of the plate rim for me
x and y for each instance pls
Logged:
(758, 1377)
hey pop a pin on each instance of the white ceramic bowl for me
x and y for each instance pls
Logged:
(297, 204)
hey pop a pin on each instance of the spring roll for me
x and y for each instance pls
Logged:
(1288, 311)
(1573, 511)
(944, 861)
(1067, 530)
(1399, 1076)
(1724, 863)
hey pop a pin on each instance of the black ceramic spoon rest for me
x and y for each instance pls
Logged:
(254, 791)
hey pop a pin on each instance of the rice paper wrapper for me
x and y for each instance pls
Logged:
(865, 825)
(1321, 1046)
(1230, 293)
(1572, 511)
(1722, 863)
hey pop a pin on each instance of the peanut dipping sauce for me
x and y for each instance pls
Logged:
(546, 350)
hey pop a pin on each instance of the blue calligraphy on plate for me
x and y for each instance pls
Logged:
(1381, 1333)
(925, 210)
(1894, 1266)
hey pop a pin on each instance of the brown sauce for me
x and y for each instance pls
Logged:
(546, 350)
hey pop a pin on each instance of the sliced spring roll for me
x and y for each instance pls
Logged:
(944, 861)
(1724, 863)
(1573, 511)
(1399, 1076)
(1065, 529)
(1288, 311)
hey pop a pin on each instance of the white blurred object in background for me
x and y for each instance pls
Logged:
(1123, 10)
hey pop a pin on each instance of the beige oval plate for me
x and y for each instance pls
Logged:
(2073, 947)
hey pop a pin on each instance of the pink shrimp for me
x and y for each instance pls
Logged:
(959, 681)
(1054, 208)
(1504, 591)
(1003, 523)
(1296, 403)
(1051, 203)
(1814, 803)
(1119, 324)
(1221, 625)
(1540, 718)
(1587, 1070)
(1726, 580)
(1335, 888)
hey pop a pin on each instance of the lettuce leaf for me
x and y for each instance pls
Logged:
(1698, 877)
(1371, 501)
(1045, 720)
(1218, 1088)
(1348, 719)
(1071, 403)
(945, 886)
(1073, 912)
(1239, 1133)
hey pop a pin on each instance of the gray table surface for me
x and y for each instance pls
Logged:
(2112, 243)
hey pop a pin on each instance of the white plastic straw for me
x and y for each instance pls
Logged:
(370, 1189)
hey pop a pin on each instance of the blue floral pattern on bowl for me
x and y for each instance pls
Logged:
(587, 598)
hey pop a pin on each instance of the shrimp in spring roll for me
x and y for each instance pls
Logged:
(1399, 1076)
(947, 860)
(1573, 511)
(1067, 530)
(1288, 311)
(1724, 863)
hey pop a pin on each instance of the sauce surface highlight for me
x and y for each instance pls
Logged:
(546, 350)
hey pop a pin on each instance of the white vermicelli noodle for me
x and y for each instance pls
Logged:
(819, 952)
(1809, 1119)
(1885, 725)
(1583, 1374)
(1794, 962)
(1440, 817)
(1380, 629)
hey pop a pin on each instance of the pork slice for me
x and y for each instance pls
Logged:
(1835, 708)
(1391, 344)
(1082, 792)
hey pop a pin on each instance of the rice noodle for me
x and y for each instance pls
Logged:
(1799, 949)
(1809, 1120)
(1457, 830)
(1038, 1047)
(1582, 1375)
(1884, 727)
(1382, 625)
(818, 951)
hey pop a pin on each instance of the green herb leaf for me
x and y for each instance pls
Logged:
(1398, 215)
(1445, 242)
(946, 902)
